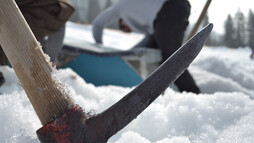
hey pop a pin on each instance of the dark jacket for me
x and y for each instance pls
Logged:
(45, 16)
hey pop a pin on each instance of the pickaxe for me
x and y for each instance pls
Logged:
(62, 120)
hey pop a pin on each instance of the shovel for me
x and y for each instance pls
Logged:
(63, 121)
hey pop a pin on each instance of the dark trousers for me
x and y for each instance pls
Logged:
(3, 58)
(3, 61)
(169, 27)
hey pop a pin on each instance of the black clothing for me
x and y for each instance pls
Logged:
(2, 79)
(169, 27)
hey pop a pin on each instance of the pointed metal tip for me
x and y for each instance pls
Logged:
(195, 44)
(203, 34)
(209, 26)
(207, 29)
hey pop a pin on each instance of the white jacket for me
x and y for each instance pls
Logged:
(139, 15)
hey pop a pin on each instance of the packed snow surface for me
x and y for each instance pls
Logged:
(223, 113)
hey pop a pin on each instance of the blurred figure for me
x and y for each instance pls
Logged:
(162, 21)
(2, 79)
(53, 44)
(252, 54)
(46, 19)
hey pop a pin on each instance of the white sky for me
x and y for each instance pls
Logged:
(219, 10)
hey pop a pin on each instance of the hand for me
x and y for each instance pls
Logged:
(124, 27)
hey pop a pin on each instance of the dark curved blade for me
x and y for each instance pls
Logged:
(129, 107)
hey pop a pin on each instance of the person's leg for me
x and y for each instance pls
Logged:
(3, 61)
(3, 57)
(186, 83)
(252, 54)
(2, 79)
(147, 42)
(170, 25)
(54, 44)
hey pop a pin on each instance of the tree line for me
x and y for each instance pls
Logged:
(238, 31)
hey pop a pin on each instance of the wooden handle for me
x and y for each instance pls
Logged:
(31, 65)
(201, 17)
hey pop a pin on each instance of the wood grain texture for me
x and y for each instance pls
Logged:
(31, 65)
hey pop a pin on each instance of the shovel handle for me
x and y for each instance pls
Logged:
(31, 65)
(201, 17)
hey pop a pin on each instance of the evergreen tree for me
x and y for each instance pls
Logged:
(251, 30)
(229, 32)
(240, 38)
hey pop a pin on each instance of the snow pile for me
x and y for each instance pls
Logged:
(234, 68)
(223, 113)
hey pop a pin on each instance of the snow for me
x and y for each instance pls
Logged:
(222, 113)
(115, 39)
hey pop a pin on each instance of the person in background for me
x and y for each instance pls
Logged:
(162, 21)
(252, 54)
(2, 79)
(46, 19)
(52, 44)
